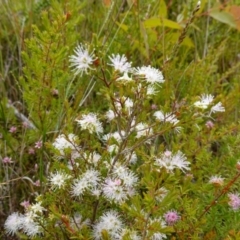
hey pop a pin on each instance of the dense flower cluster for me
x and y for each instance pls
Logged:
(110, 222)
(87, 182)
(28, 222)
(90, 122)
(120, 186)
(63, 142)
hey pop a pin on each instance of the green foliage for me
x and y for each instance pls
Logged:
(47, 84)
(196, 48)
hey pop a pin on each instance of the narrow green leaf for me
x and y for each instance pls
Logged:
(155, 22)
(223, 17)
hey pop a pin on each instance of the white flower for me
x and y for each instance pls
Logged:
(75, 154)
(127, 176)
(171, 161)
(170, 117)
(107, 136)
(112, 148)
(35, 210)
(94, 158)
(71, 164)
(161, 193)
(125, 78)
(218, 108)
(151, 90)
(158, 236)
(113, 190)
(30, 227)
(13, 223)
(90, 122)
(123, 102)
(159, 115)
(96, 192)
(63, 142)
(88, 181)
(131, 157)
(167, 117)
(149, 74)
(121, 186)
(205, 101)
(120, 63)
(128, 234)
(110, 115)
(58, 179)
(128, 103)
(177, 129)
(109, 222)
(16, 222)
(143, 130)
(82, 60)
(118, 136)
(159, 220)
(216, 180)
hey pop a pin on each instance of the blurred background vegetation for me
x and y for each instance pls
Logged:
(198, 52)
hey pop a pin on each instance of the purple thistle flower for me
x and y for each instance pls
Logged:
(171, 217)
(234, 201)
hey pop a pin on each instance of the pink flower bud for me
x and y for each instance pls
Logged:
(7, 160)
(38, 144)
(37, 183)
(209, 124)
(167, 153)
(13, 129)
(25, 204)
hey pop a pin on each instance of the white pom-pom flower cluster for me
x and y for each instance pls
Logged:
(27, 223)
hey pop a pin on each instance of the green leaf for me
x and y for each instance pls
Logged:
(171, 24)
(188, 42)
(155, 22)
(123, 26)
(162, 9)
(223, 17)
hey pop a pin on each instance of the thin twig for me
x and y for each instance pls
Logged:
(21, 116)
(224, 191)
